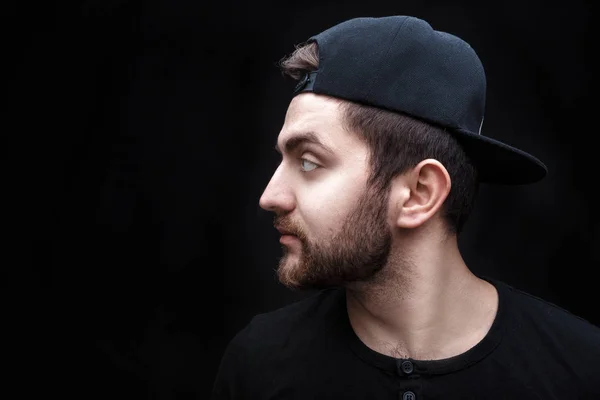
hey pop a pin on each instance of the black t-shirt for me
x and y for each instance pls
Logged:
(308, 350)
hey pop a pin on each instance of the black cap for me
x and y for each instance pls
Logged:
(400, 63)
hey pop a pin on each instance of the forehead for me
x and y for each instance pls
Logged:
(314, 115)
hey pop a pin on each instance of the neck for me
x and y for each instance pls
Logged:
(423, 305)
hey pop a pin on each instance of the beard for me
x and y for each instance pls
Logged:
(356, 253)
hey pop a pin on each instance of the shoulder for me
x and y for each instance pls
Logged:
(274, 328)
(527, 306)
(270, 339)
(554, 350)
(547, 326)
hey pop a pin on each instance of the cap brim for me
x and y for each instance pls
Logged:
(500, 163)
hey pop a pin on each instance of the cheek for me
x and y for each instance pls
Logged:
(326, 205)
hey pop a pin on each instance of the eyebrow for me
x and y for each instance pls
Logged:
(307, 137)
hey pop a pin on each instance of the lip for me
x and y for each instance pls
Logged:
(288, 239)
(284, 232)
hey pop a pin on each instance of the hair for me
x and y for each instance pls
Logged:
(398, 142)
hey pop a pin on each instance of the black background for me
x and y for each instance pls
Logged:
(140, 138)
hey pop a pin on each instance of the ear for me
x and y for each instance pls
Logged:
(425, 189)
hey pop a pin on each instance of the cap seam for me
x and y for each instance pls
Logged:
(376, 75)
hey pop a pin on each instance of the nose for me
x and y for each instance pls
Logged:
(277, 196)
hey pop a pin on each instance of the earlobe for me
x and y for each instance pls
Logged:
(428, 186)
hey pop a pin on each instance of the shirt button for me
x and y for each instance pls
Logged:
(407, 368)
(408, 395)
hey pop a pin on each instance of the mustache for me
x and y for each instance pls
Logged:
(285, 225)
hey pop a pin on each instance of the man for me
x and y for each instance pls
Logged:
(382, 154)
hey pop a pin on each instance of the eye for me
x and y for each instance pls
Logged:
(302, 160)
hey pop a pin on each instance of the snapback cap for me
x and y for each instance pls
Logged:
(400, 63)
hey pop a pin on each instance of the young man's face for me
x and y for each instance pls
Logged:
(342, 229)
